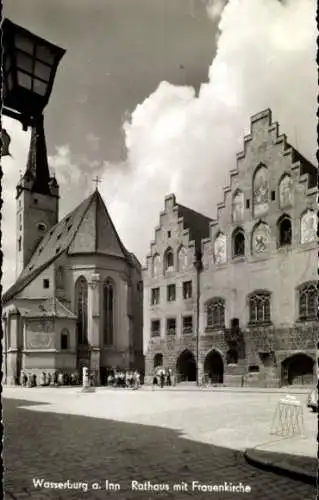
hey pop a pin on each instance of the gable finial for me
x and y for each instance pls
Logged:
(97, 181)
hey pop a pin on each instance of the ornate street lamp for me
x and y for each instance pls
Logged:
(29, 67)
(198, 267)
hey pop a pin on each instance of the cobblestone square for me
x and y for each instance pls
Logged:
(131, 436)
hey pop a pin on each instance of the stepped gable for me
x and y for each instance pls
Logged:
(306, 168)
(196, 223)
(87, 229)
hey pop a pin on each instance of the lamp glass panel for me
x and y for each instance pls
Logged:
(45, 54)
(24, 80)
(23, 42)
(9, 81)
(24, 62)
(42, 71)
(7, 62)
(40, 87)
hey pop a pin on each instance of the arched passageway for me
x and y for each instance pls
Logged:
(186, 367)
(214, 367)
(298, 370)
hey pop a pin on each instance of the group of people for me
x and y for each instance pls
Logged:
(163, 377)
(45, 379)
(119, 378)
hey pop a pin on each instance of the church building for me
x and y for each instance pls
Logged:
(77, 300)
(235, 299)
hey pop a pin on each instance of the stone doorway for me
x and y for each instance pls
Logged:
(186, 367)
(298, 370)
(214, 367)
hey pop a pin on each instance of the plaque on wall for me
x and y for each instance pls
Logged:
(182, 259)
(156, 266)
(308, 226)
(220, 249)
(261, 191)
(40, 340)
(261, 238)
(285, 191)
(238, 207)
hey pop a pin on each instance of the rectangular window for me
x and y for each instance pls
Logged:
(247, 204)
(155, 296)
(171, 326)
(155, 328)
(171, 293)
(46, 283)
(273, 195)
(187, 290)
(168, 234)
(19, 244)
(187, 325)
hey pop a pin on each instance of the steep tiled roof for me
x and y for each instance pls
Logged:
(306, 168)
(198, 224)
(87, 229)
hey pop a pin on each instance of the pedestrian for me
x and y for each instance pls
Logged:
(137, 382)
(60, 378)
(49, 379)
(162, 378)
(42, 379)
(169, 380)
(155, 381)
(22, 378)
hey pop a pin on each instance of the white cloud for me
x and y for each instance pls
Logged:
(187, 144)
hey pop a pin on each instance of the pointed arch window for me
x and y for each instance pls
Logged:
(308, 301)
(284, 231)
(108, 308)
(81, 301)
(169, 260)
(238, 243)
(259, 307)
(215, 309)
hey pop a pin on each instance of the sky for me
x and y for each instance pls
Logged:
(155, 97)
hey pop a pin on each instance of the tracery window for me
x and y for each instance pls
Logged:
(108, 308)
(81, 293)
(259, 307)
(215, 313)
(308, 301)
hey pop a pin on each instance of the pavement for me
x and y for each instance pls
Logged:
(240, 419)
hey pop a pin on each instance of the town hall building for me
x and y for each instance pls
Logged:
(234, 299)
(77, 300)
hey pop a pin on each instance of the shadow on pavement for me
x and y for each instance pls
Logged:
(61, 448)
